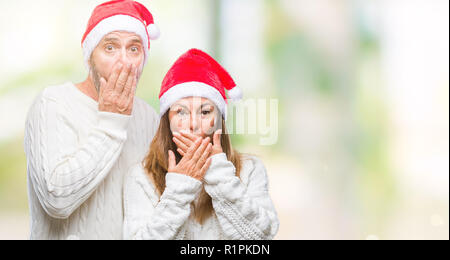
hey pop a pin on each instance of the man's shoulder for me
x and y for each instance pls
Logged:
(56, 93)
(144, 107)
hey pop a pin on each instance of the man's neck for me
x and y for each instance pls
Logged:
(88, 88)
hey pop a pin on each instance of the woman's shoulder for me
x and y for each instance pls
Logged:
(137, 176)
(251, 162)
(138, 195)
(252, 168)
(135, 172)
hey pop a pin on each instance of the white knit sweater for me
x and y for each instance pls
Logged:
(243, 208)
(77, 158)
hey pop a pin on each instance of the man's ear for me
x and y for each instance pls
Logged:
(89, 62)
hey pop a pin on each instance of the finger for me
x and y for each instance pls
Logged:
(193, 148)
(205, 167)
(130, 98)
(189, 136)
(103, 84)
(181, 152)
(201, 149)
(204, 156)
(172, 161)
(122, 80)
(216, 138)
(130, 82)
(186, 141)
(180, 144)
(114, 75)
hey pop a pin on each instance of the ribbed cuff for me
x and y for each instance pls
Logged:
(180, 183)
(114, 124)
(220, 167)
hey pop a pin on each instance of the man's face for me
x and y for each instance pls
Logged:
(115, 47)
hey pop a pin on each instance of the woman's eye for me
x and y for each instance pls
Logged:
(206, 112)
(182, 112)
(134, 49)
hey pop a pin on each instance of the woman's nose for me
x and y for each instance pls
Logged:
(194, 123)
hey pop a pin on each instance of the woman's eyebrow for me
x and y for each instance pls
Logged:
(180, 105)
(207, 104)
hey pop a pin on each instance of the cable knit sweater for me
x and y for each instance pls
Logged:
(243, 209)
(77, 158)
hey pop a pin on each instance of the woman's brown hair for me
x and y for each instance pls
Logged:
(156, 164)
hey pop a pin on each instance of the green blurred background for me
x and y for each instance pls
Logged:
(362, 89)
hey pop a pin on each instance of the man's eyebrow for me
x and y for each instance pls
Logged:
(136, 40)
(111, 39)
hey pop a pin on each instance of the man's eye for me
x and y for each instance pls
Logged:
(134, 49)
(109, 48)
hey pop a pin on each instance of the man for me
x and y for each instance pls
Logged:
(81, 139)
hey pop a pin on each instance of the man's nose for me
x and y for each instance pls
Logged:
(124, 59)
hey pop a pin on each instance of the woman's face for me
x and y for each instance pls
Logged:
(195, 115)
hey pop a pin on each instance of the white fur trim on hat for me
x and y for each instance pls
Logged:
(112, 24)
(153, 31)
(235, 94)
(192, 89)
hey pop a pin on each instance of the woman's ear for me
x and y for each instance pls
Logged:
(217, 119)
(216, 123)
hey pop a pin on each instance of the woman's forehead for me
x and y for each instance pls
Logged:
(193, 101)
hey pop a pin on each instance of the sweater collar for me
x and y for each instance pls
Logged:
(88, 101)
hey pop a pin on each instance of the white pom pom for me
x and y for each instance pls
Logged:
(235, 94)
(153, 31)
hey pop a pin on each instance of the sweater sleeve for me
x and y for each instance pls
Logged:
(245, 212)
(63, 171)
(148, 217)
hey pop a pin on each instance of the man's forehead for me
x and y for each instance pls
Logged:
(122, 36)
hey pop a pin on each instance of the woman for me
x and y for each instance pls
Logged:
(192, 184)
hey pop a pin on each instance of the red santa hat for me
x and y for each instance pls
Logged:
(119, 15)
(196, 74)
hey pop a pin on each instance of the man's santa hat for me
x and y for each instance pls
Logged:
(119, 15)
(196, 74)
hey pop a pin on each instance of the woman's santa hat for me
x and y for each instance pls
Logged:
(196, 74)
(119, 15)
